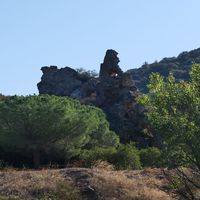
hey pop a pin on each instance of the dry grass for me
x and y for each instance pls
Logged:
(104, 165)
(96, 183)
(43, 184)
(130, 185)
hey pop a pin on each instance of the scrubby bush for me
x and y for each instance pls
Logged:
(150, 157)
(122, 157)
(126, 157)
(91, 156)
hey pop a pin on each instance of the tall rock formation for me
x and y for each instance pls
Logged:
(116, 95)
(113, 91)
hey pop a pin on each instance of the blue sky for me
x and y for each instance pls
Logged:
(76, 33)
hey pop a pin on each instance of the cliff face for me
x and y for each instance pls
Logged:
(180, 66)
(113, 91)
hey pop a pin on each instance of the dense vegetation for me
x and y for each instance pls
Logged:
(49, 129)
(39, 130)
(123, 157)
(174, 114)
(180, 66)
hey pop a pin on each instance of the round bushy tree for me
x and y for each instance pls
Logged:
(35, 124)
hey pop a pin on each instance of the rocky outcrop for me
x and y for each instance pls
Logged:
(116, 95)
(61, 82)
(179, 66)
(113, 91)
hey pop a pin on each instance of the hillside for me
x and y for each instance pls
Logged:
(180, 66)
(86, 184)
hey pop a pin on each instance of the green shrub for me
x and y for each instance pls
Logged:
(175, 157)
(122, 157)
(90, 156)
(126, 157)
(150, 157)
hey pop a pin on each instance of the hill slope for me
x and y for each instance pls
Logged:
(180, 66)
(82, 183)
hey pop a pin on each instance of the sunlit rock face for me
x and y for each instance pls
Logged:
(61, 82)
(113, 91)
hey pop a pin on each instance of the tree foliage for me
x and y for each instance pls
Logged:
(174, 114)
(35, 124)
(86, 75)
(150, 157)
